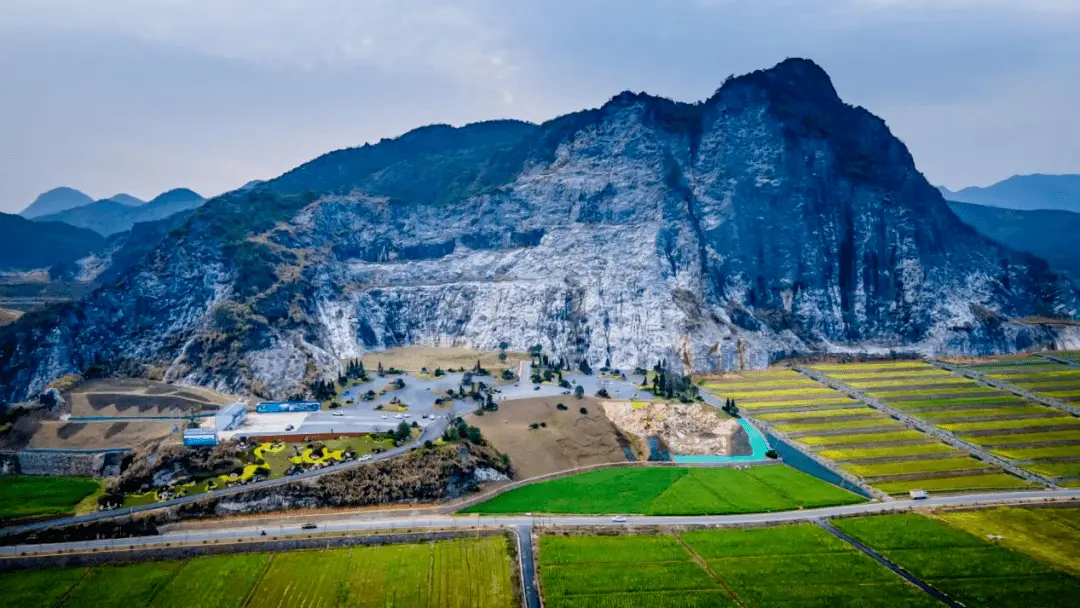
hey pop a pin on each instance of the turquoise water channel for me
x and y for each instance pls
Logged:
(758, 447)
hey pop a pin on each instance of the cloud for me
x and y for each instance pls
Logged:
(146, 95)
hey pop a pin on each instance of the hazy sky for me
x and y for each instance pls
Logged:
(140, 96)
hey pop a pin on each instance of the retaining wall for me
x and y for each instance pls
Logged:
(82, 464)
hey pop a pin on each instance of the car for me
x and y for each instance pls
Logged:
(919, 494)
(619, 519)
(384, 416)
(423, 416)
(337, 414)
(566, 392)
(365, 458)
(536, 388)
(308, 527)
(289, 427)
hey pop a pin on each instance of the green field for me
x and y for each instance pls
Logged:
(927, 381)
(967, 568)
(911, 373)
(822, 440)
(672, 491)
(1051, 535)
(799, 565)
(1031, 437)
(1005, 410)
(462, 573)
(849, 412)
(839, 425)
(1053, 451)
(908, 467)
(1022, 423)
(933, 392)
(828, 401)
(920, 449)
(965, 483)
(23, 496)
(958, 402)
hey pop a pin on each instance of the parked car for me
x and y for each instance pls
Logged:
(337, 414)
(384, 416)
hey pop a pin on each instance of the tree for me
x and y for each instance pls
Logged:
(380, 370)
(503, 346)
(474, 436)
(579, 391)
(403, 432)
(584, 411)
(439, 372)
(535, 350)
(603, 394)
(772, 454)
(502, 356)
(584, 367)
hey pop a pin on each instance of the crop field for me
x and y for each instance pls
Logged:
(973, 411)
(969, 569)
(461, 573)
(1051, 535)
(672, 491)
(26, 496)
(849, 432)
(790, 565)
(963, 483)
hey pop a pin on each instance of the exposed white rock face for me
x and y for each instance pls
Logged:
(768, 221)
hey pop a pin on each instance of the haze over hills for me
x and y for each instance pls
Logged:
(770, 220)
(55, 201)
(1050, 235)
(108, 217)
(126, 199)
(29, 245)
(1024, 192)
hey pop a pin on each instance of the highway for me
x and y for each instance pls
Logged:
(342, 523)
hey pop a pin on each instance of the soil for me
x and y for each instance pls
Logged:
(57, 434)
(132, 397)
(692, 429)
(569, 440)
(413, 358)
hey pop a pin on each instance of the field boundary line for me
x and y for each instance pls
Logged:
(928, 429)
(67, 594)
(884, 561)
(708, 570)
(981, 378)
(258, 579)
(1055, 359)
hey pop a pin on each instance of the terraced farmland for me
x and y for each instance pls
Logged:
(991, 418)
(861, 440)
(969, 569)
(462, 573)
(798, 565)
(1043, 440)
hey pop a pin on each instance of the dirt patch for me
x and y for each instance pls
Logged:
(60, 435)
(686, 429)
(134, 397)
(414, 358)
(569, 438)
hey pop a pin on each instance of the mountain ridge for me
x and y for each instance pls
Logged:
(769, 220)
(108, 217)
(1024, 192)
(55, 201)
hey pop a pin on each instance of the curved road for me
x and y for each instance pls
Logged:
(431, 432)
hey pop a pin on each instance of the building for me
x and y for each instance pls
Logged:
(230, 417)
(278, 407)
(200, 437)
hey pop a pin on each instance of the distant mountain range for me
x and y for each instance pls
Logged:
(55, 201)
(108, 217)
(1048, 234)
(1024, 192)
(30, 245)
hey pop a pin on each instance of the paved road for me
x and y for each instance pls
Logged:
(343, 524)
(431, 432)
(528, 566)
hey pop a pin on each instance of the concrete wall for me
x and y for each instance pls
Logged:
(86, 464)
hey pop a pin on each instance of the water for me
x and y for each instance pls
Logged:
(758, 446)
(797, 460)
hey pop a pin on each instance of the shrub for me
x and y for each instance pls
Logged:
(534, 426)
(772, 454)
(584, 410)
(603, 393)
(560, 407)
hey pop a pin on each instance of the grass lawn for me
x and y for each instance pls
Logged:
(24, 496)
(967, 568)
(916, 466)
(965, 483)
(459, 573)
(672, 491)
(1051, 535)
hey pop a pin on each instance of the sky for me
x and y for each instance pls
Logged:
(141, 96)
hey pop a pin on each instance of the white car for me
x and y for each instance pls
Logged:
(384, 416)
(337, 414)
(619, 519)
